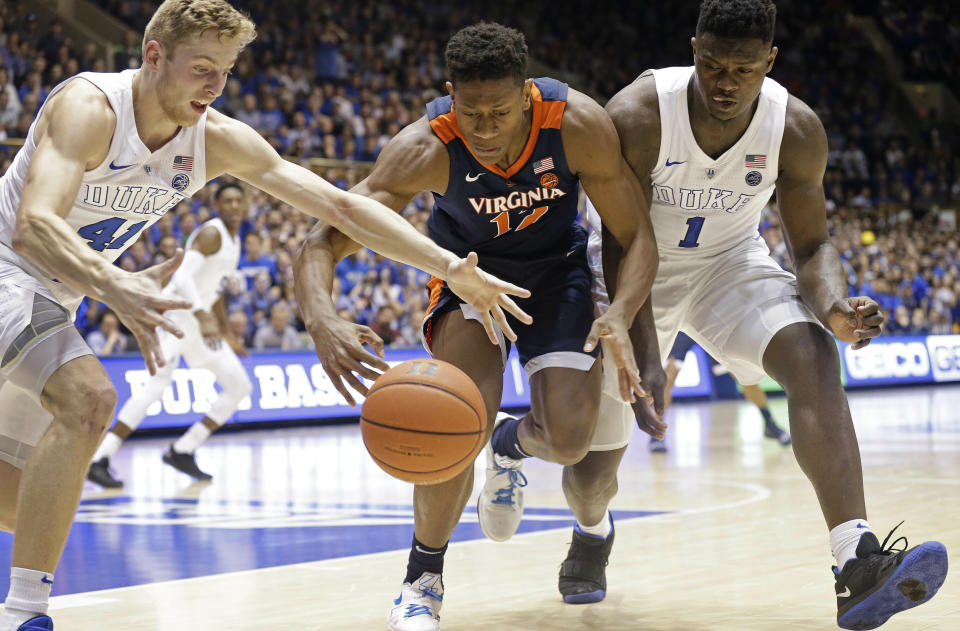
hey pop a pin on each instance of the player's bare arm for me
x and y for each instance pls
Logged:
(413, 161)
(800, 198)
(207, 243)
(593, 153)
(635, 113)
(68, 149)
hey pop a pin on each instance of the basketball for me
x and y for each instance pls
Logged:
(423, 421)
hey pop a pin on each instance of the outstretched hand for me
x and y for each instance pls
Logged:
(488, 294)
(612, 332)
(341, 353)
(138, 303)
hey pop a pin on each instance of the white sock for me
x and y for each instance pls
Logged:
(844, 539)
(111, 443)
(28, 597)
(189, 442)
(601, 529)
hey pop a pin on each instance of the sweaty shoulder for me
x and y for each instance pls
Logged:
(803, 150)
(587, 132)
(414, 160)
(80, 120)
(635, 111)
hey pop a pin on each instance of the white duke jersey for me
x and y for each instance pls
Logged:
(703, 205)
(123, 195)
(209, 279)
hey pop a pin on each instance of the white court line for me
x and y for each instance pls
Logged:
(759, 493)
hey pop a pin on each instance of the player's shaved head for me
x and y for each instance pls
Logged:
(486, 51)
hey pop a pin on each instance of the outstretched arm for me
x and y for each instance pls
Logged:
(800, 197)
(593, 152)
(235, 148)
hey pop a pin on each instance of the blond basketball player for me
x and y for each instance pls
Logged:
(107, 155)
(710, 144)
(212, 253)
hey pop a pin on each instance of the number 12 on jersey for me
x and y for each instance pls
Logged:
(100, 235)
(694, 226)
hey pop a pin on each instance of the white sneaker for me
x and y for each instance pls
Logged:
(500, 505)
(417, 608)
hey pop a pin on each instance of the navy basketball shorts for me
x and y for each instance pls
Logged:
(561, 306)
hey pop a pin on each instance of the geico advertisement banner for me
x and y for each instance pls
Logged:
(887, 361)
(944, 353)
(294, 386)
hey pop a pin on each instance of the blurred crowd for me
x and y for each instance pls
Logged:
(337, 79)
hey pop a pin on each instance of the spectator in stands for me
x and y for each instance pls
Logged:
(107, 339)
(277, 332)
(240, 327)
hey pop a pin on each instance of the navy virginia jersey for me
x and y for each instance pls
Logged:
(512, 219)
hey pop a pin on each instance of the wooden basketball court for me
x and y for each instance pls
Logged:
(299, 530)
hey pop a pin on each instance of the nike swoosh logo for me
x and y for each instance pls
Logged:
(117, 168)
(862, 526)
(46, 580)
(845, 594)
(670, 164)
(474, 178)
(419, 549)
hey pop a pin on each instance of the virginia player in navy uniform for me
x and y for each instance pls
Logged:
(504, 156)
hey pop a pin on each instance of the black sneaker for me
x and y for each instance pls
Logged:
(99, 473)
(583, 577)
(772, 430)
(882, 581)
(186, 463)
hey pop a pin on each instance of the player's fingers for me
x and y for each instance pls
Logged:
(593, 337)
(505, 327)
(376, 365)
(356, 383)
(334, 376)
(162, 271)
(487, 322)
(367, 336)
(507, 303)
(472, 259)
(161, 304)
(874, 319)
(626, 388)
(356, 366)
(867, 309)
(150, 346)
(166, 324)
(509, 288)
(658, 400)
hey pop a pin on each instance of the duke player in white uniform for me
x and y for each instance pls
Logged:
(710, 144)
(107, 155)
(212, 253)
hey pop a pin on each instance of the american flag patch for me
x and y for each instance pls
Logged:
(756, 160)
(183, 163)
(543, 165)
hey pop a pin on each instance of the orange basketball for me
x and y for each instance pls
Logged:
(423, 421)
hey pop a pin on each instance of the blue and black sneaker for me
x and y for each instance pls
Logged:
(40, 623)
(883, 581)
(583, 575)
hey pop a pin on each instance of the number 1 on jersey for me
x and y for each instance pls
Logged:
(694, 225)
